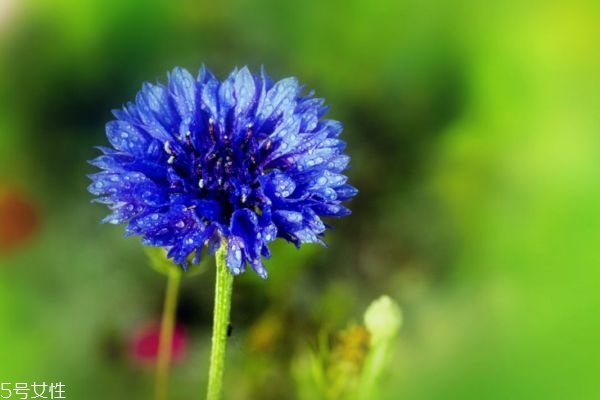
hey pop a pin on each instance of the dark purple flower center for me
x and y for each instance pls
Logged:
(219, 166)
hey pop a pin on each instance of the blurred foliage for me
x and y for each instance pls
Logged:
(473, 128)
(349, 364)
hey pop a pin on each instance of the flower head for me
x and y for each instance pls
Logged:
(199, 162)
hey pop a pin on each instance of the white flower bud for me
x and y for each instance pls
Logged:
(383, 319)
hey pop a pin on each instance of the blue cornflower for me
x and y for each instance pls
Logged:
(200, 162)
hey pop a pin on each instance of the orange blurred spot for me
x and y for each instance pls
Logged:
(19, 218)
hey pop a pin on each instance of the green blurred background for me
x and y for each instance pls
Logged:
(473, 128)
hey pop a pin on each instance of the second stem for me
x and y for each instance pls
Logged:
(166, 335)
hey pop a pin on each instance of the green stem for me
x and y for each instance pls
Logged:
(371, 371)
(223, 289)
(166, 335)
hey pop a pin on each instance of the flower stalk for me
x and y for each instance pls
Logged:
(167, 327)
(223, 291)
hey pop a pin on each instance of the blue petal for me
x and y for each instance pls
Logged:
(285, 137)
(346, 192)
(125, 137)
(312, 221)
(277, 185)
(310, 109)
(302, 235)
(259, 268)
(269, 232)
(279, 99)
(204, 75)
(244, 91)
(122, 211)
(287, 220)
(156, 112)
(182, 87)
(209, 209)
(116, 184)
(338, 163)
(111, 162)
(175, 223)
(151, 195)
(226, 99)
(307, 236)
(189, 242)
(326, 179)
(331, 126)
(244, 225)
(214, 241)
(209, 98)
(235, 259)
(265, 84)
(331, 210)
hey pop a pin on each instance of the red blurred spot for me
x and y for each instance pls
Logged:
(144, 343)
(18, 218)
